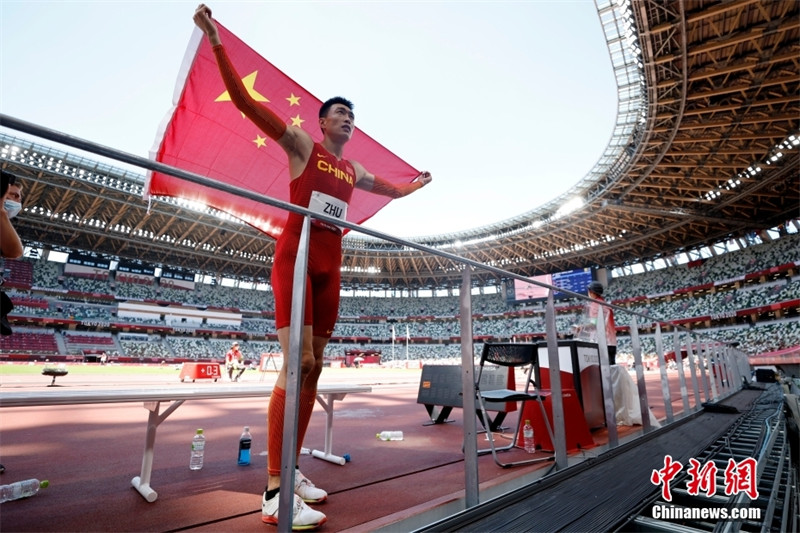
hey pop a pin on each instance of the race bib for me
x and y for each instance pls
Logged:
(328, 205)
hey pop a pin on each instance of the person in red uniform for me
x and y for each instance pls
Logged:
(323, 181)
(234, 360)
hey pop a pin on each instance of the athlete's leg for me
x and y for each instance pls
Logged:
(324, 287)
(321, 310)
(308, 391)
(277, 402)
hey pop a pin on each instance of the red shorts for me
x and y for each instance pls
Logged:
(323, 279)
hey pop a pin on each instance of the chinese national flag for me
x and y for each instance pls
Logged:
(206, 134)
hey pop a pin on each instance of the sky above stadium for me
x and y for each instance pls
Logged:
(507, 104)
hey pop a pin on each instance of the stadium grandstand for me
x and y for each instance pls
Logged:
(750, 296)
(691, 218)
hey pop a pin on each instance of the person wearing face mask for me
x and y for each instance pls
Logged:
(10, 243)
(588, 329)
(11, 193)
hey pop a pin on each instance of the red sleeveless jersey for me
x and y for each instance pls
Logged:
(326, 175)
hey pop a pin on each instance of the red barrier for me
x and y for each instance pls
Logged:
(578, 434)
(195, 371)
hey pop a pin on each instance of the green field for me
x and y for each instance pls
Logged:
(91, 369)
(166, 370)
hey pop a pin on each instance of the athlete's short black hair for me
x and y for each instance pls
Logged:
(333, 101)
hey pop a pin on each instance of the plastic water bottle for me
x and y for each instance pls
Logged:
(244, 447)
(21, 489)
(390, 435)
(198, 449)
(527, 437)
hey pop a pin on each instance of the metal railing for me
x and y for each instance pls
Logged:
(728, 367)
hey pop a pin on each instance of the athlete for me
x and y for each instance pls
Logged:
(323, 181)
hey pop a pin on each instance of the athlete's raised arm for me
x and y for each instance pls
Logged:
(377, 185)
(295, 142)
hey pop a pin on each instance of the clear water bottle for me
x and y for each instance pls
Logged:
(390, 435)
(198, 449)
(527, 437)
(245, 441)
(21, 489)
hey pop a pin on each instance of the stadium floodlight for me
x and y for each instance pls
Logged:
(569, 207)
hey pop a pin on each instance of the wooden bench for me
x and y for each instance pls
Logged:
(152, 398)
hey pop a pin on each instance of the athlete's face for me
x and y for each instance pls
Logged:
(339, 122)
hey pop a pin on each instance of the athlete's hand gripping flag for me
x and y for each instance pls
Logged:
(204, 133)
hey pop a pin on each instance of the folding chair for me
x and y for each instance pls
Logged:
(509, 355)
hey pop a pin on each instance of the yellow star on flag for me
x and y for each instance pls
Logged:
(249, 83)
(293, 100)
(297, 121)
(260, 141)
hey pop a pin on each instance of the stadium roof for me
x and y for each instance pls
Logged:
(705, 150)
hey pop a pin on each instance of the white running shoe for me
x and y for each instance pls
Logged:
(305, 518)
(307, 490)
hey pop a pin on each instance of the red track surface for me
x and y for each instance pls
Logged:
(90, 453)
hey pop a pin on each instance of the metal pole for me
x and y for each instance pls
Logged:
(293, 374)
(637, 357)
(742, 364)
(472, 494)
(693, 368)
(714, 370)
(407, 342)
(731, 369)
(735, 376)
(722, 369)
(676, 343)
(605, 373)
(556, 391)
(703, 364)
(728, 386)
(662, 365)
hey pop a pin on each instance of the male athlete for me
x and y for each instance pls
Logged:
(322, 181)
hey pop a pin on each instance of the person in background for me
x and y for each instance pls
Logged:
(11, 194)
(234, 361)
(322, 180)
(10, 243)
(595, 291)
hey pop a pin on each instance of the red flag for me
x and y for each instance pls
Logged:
(207, 135)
